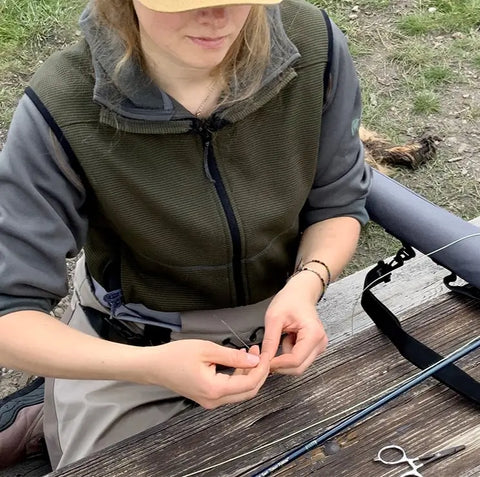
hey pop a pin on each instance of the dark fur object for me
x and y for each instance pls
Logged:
(382, 155)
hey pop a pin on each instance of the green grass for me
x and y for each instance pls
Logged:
(26, 23)
(413, 54)
(426, 102)
(378, 108)
(437, 75)
(333, 7)
(450, 16)
(29, 32)
(424, 74)
(428, 53)
(474, 113)
(476, 61)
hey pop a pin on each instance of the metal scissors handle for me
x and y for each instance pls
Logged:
(416, 463)
(399, 457)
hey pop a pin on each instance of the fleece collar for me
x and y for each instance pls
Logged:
(134, 96)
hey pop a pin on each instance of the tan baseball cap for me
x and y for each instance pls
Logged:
(172, 6)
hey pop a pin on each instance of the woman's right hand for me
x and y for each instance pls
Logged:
(189, 367)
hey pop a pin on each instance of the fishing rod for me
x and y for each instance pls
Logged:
(304, 448)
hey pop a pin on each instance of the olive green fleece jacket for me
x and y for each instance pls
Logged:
(197, 214)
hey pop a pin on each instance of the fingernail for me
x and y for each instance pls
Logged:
(253, 359)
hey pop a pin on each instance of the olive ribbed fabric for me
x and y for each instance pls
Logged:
(154, 210)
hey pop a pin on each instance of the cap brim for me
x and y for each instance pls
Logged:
(173, 6)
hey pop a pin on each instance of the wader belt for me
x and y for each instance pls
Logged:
(112, 329)
(410, 348)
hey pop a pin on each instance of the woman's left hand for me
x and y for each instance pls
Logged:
(293, 312)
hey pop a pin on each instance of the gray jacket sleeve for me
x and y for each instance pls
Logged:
(41, 214)
(342, 180)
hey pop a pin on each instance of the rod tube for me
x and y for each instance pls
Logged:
(425, 226)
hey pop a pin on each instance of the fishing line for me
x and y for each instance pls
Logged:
(339, 415)
(377, 280)
(358, 406)
(236, 334)
(350, 421)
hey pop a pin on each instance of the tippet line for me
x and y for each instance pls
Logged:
(339, 415)
(353, 408)
(235, 334)
(350, 421)
(429, 254)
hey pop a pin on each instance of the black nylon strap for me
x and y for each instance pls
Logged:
(410, 348)
(466, 290)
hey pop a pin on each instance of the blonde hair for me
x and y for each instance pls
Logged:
(241, 71)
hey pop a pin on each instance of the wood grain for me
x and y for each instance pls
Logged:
(427, 418)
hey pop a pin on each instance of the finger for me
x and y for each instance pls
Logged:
(299, 369)
(271, 338)
(255, 349)
(245, 386)
(320, 348)
(295, 355)
(231, 358)
(243, 396)
(288, 342)
(230, 385)
(239, 371)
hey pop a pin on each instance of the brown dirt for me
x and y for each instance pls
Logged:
(457, 122)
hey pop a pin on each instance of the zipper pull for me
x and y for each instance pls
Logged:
(206, 149)
(200, 127)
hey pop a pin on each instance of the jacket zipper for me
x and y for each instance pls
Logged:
(213, 174)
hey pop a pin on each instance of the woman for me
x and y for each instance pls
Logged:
(201, 153)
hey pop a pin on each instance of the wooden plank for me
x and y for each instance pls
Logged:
(408, 423)
(427, 418)
(417, 282)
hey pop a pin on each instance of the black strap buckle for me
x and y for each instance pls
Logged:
(382, 272)
(410, 348)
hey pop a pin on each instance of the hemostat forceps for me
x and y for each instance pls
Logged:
(399, 457)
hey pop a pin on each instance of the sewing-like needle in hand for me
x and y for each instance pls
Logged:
(236, 334)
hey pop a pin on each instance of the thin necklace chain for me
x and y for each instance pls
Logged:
(207, 97)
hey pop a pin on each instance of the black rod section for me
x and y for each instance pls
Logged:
(304, 448)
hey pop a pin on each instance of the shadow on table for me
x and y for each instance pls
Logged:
(35, 467)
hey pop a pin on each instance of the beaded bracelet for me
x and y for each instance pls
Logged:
(329, 275)
(324, 286)
(306, 269)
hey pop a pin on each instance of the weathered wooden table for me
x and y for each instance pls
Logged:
(247, 436)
